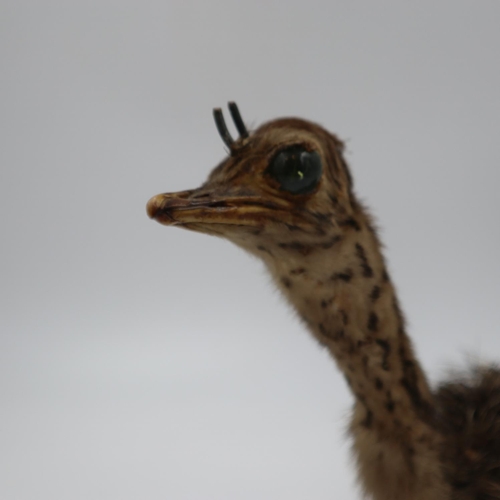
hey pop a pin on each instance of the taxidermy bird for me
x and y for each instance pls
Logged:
(285, 194)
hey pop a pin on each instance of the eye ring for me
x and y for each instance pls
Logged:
(296, 169)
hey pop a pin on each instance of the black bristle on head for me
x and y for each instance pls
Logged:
(235, 113)
(222, 127)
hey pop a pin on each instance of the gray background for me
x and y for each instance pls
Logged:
(138, 361)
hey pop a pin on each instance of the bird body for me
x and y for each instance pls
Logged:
(285, 194)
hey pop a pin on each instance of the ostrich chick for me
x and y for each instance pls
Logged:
(285, 194)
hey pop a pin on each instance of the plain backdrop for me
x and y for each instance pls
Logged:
(144, 362)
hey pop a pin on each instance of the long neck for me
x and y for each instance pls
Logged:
(345, 296)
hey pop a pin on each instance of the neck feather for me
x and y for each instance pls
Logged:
(345, 296)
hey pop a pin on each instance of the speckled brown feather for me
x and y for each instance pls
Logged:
(323, 252)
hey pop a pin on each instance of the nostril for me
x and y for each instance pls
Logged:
(200, 195)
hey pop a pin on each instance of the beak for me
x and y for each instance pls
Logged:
(163, 206)
(204, 207)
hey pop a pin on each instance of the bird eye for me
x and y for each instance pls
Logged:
(297, 170)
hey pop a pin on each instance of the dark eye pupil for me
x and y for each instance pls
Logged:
(298, 171)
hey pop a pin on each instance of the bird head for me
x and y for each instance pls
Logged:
(286, 182)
